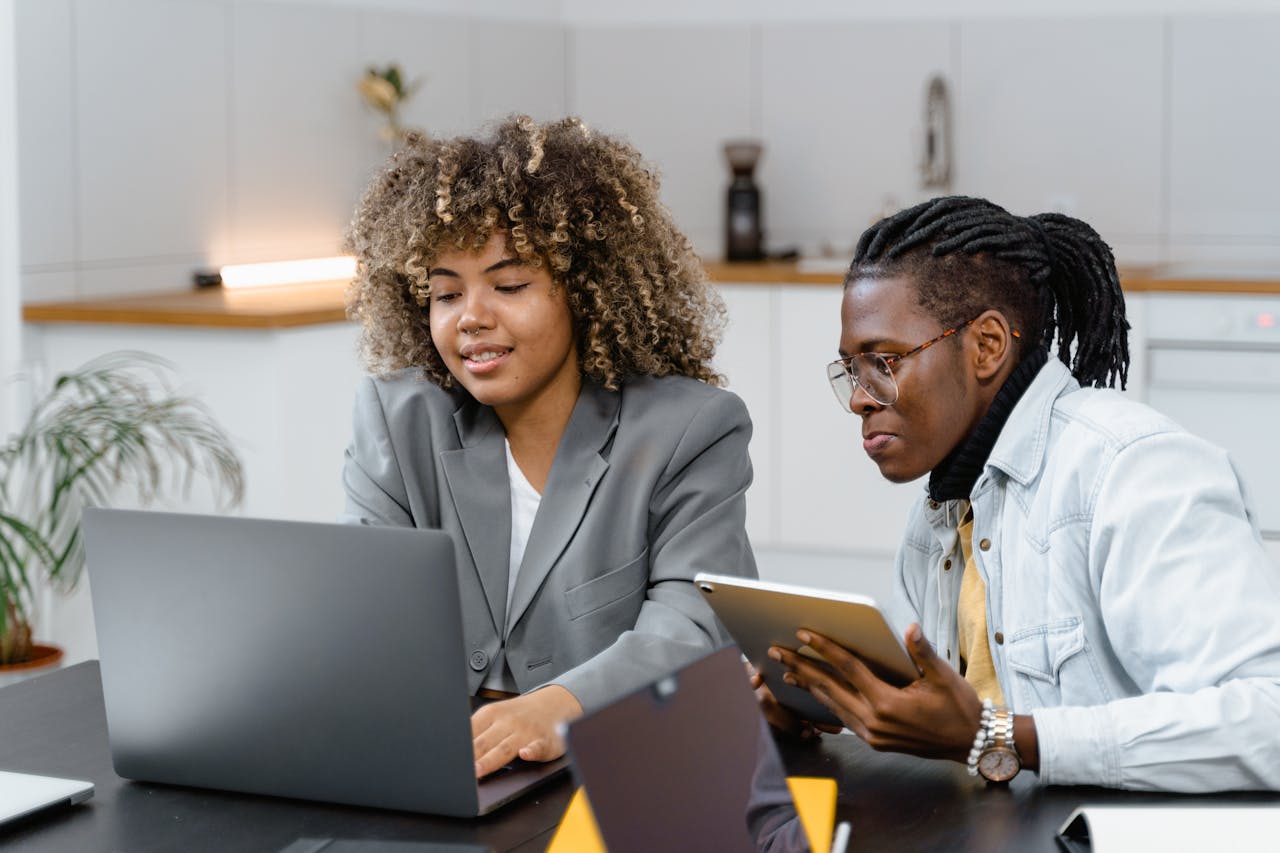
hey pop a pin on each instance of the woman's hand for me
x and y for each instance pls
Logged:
(527, 726)
(935, 716)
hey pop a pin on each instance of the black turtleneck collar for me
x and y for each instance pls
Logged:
(955, 475)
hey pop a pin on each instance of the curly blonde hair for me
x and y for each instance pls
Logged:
(583, 203)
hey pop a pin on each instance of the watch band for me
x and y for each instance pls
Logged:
(985, 733)
(995, 734)
(1002, 729)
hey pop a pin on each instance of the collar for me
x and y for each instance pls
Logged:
(955, 475)
(1020, 449)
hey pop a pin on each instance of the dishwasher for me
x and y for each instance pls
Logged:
(1213, 365)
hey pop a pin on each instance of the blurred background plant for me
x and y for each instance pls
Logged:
(386, 91)
(112, 423)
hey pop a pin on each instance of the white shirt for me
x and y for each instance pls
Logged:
(524, 506)
(525, 500)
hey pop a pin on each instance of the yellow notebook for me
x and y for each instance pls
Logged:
(815, 803)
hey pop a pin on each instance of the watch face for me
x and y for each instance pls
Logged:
(998, 764)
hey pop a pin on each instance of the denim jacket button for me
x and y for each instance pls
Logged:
(999, 638)
(946, 567)
(985, 544)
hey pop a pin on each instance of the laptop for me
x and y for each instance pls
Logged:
(315, 661)
(687, 763)
(25, 794)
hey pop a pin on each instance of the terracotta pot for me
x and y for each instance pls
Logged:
(43, 659)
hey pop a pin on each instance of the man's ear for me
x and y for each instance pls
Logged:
(994, 346)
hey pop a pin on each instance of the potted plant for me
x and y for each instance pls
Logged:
(113, 423)
(386, 91)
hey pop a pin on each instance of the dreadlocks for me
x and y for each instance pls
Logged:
(1047, 273)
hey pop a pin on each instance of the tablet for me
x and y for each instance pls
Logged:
(760, 614)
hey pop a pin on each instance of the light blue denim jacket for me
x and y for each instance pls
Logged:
(1132, 610)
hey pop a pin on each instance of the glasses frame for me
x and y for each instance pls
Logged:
(888, 360)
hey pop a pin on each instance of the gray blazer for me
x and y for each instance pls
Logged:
(647, 488)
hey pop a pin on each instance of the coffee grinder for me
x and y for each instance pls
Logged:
(744, 232)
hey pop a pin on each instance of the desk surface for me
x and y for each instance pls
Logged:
(55, 725)
(903, 803)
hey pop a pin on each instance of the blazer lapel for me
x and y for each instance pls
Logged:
(575, 473)
(481, 493)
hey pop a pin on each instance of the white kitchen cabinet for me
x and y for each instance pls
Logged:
(747, 359)
(1220, 140)
(1041, 127)
(816, 486)
(283, 394)
(830, 494)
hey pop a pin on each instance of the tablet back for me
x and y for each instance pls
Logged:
(687, 763)
(760, 614)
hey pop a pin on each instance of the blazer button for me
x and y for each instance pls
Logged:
(479, 660)
(999, 638)
(985, 544)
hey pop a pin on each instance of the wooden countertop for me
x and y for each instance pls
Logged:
(264, 308)
(313, 304)
(1139, 283)
(774, 272)
(1136, 279)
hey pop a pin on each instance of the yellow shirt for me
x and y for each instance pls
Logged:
(971, 618)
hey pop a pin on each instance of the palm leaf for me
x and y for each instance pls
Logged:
(114, 422)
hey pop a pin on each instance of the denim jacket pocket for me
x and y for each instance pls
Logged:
(609, 587)
(1041, 651)
(1052, 659)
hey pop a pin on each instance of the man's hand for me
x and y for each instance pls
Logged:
(934, 716)
(526, 726)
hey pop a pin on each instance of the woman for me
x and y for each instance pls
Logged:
(1101, 605)
(542, 337)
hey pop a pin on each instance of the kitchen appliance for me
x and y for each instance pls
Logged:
(935, 159)
(744, 231)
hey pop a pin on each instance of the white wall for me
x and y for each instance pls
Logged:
(161, 136)
(10, 299)
(522, 10)
(575, 12)
(1155, 127)
(1148, 118)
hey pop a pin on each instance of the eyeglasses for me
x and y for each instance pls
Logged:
(874, 372)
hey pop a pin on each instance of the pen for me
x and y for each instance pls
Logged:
(840, 840)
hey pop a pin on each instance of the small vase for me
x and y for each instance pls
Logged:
(43, 659)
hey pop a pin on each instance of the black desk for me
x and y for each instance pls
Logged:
(904, 803)
(55, 725)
